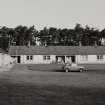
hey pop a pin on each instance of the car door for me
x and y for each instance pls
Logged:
(73, 68)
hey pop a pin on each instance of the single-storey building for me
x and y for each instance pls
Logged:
(58, 54)
(6, 61)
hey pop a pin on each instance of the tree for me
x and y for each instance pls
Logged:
(31, 35)
(44, 37)
(25, 35)
(79, 32)
(54, 36)
(4, 38)
(20, 35)
(12, 37)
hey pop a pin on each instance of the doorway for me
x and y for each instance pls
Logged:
(72, 58)
(60, 59)
(18, 59)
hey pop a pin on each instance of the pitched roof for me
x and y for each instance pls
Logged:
(56, 50)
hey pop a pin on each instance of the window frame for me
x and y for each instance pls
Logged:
(29, 57)
(84, 57)
(100, 57)
(46, 57)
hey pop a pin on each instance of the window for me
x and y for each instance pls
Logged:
(13, 56)
(30, 57)
(100, 57)
(84, 57)
(46, 57)
(27, 57)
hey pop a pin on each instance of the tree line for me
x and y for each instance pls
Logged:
(78, 36)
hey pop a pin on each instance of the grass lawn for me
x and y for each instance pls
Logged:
(24, 87)
(58, 66)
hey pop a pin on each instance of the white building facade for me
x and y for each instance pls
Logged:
(58, 54)
(6, 61)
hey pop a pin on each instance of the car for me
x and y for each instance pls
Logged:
(73, 67)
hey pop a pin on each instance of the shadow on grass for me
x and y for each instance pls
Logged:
(26, 94)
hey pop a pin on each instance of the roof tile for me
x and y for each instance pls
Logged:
(56, 50)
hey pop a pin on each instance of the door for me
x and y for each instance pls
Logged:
(73, 59)
(18, 59)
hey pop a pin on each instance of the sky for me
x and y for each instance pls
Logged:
(52, 13)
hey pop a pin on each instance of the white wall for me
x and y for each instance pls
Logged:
(37, 59)
(92, 59)
(5, 59)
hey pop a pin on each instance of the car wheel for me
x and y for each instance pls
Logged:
(81, 70)
(85, 70)
(66, 70)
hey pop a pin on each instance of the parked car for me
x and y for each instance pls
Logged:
(73, 67)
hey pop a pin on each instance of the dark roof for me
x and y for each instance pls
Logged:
(56, 50)
(2, 51)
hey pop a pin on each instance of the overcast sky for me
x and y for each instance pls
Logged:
(52, 13)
